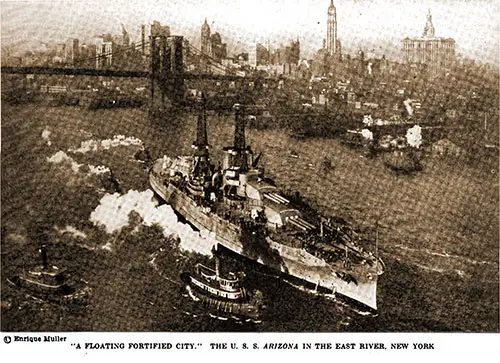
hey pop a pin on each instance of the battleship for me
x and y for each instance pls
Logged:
(236, 207)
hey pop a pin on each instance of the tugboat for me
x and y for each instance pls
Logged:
(225, 295)
(50, 283)
(403, 161)
(243, 211)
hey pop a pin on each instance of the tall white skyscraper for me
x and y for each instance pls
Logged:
(331, 36)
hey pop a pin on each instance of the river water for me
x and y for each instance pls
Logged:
(438, 233)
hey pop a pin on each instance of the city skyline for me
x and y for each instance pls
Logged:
(362, 24)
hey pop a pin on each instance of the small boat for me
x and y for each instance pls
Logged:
(50, 283)
(403, 160)
(226, 294)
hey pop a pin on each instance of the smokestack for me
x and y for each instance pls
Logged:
(201, 142)
(43, 253)
(239, 129)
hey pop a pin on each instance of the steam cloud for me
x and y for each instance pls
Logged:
(117, 140)
(114, 209)
(414, 136)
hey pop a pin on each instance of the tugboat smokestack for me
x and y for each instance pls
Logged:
(43, 253)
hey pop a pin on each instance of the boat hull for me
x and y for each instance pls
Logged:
(63, 293)
(296, 262)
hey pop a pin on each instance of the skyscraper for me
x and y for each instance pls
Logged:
(158, 30)
(331, 35)
(104, 51)
(206, 40)
(436, 54)
(125, 37)
(219, 49)
(72, 51)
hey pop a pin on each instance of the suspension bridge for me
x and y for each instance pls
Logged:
(165, 68)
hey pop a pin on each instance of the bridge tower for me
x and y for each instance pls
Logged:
(167, 67)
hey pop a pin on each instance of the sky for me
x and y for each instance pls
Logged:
(371, 25)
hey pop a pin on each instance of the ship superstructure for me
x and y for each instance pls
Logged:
(245, 212)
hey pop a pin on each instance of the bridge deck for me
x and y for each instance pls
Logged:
(110, 73)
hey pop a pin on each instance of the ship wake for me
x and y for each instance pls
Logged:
(445, 263)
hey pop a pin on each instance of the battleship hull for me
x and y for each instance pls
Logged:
(296, 262)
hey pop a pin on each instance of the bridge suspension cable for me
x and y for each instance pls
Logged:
(107, 54)
(213, 62)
